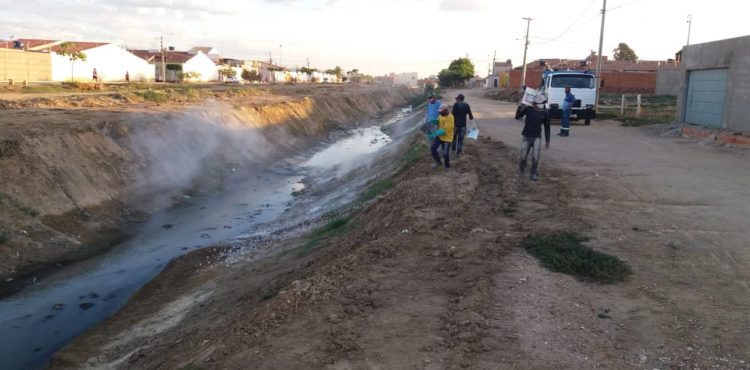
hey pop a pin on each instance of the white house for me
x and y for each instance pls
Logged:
(180, 65)
(406, 79)
(211, 52)
(112, 62)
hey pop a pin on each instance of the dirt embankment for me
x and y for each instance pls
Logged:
(412, 285)
(75, 168)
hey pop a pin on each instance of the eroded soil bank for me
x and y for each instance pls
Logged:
(75, 169)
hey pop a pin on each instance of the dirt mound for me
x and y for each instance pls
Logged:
(509, 95)
(410, 285)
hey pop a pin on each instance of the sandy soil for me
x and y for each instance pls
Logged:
(430, 275)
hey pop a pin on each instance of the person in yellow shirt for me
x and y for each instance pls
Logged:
(442, 138)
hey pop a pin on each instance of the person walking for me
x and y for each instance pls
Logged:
(460, 110)
(566, 106)
(127, 76)
(536, 116)
(94, 76)
(442, 138)
(431, 116)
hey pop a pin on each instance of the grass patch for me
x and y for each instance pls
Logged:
(153, 96)
(412, 156)
(654, 109)
(376, 189)
(41, 89)
(3, 237)
(28, 211)
(564, 252)
(333, 228)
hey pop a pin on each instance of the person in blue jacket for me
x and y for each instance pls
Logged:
(431, 116)
(566, 106)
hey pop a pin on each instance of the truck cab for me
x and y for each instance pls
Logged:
(582, 84)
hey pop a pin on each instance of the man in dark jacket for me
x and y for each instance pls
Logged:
(536, 116)
(460, 110)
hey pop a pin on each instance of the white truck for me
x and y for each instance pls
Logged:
(582, 84)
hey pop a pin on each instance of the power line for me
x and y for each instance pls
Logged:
(571, 25)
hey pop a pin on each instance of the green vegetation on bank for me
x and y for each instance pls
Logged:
(333, 228)
(564, 252)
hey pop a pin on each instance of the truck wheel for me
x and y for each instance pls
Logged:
(587, 121)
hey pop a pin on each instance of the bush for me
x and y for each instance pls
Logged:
(153, 96)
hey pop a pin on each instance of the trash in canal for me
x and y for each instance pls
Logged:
(86, 305)
(58, 307)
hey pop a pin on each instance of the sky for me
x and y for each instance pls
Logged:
(384, 36)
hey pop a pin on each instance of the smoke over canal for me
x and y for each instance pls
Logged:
(177, 152)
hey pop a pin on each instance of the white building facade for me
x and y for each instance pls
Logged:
(406, 79)
(111, 63)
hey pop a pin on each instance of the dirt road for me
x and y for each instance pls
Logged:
(678, 212)
(429, 276)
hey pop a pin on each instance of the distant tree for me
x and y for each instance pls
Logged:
(625, 53)
(336, 72)
(457, 73)
(449, 78)
(228, 72)
(464, 67)
(354, 76)
(250, 75)
(73, 55)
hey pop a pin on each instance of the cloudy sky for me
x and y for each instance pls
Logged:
(383, 36)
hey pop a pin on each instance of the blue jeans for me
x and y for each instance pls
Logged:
(531, 145)
(565, 129)
(445, 148)
(458, 139)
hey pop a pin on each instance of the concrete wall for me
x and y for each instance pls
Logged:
(733, 54)
(668, 82)
(19, 65)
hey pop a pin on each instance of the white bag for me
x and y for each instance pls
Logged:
(473, 132)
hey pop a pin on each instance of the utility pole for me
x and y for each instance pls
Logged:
(308, 63)
(525, 48)
(270, 58)
(599, 61)
(279, 55)
(684, 53)
(163, 65)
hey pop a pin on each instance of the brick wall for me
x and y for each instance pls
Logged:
(629, 82)
(614, 82)
(19, 65)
